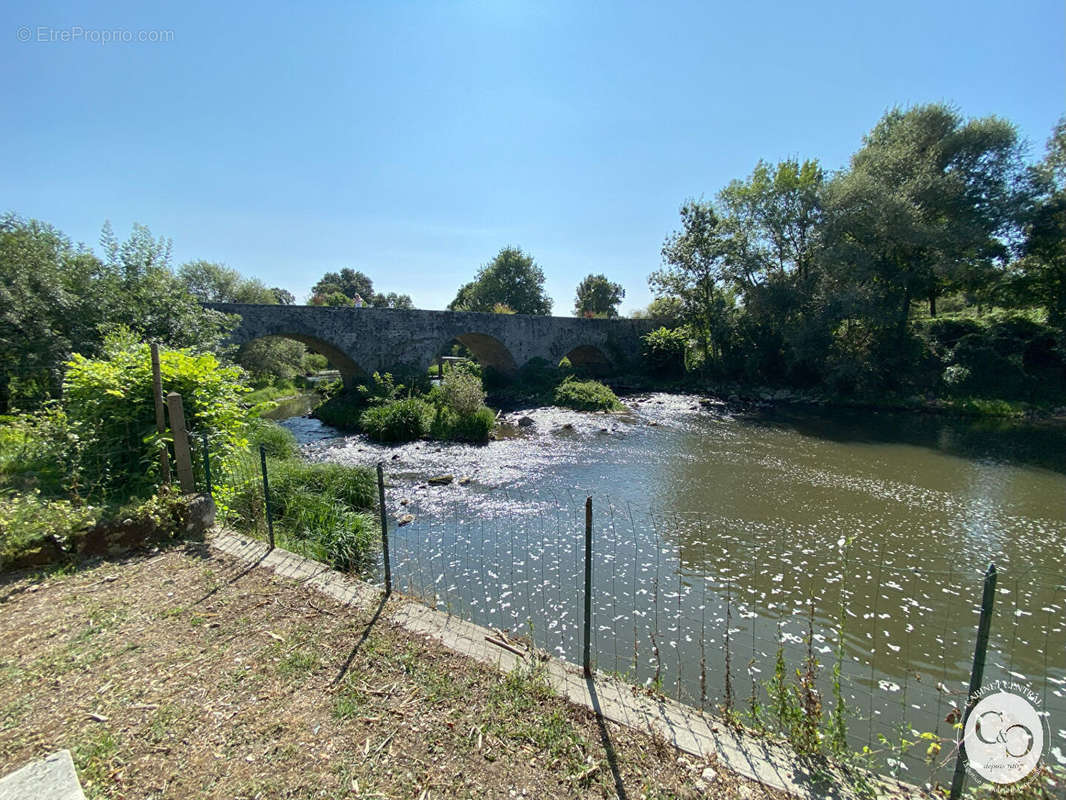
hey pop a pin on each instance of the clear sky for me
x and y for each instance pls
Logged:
(412, 140)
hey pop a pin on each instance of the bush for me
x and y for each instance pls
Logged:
(111, 411)
(400, 421)
(476, 427)
(463, 393)
(586, 396)
(36, 530)
(279, 442)
(664, 352)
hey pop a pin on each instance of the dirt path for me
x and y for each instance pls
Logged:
(186, 674)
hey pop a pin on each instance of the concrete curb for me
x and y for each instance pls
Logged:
(770, 763)
(51, 778)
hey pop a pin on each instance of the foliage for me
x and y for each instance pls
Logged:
(216, 283)
(56, 298)
(598, 297)
(462, 392)
(790, 277)
(664, 351)
(585, 396)
(512, 279)
(31, 524)
(352, 284)
(399, 421)
(278, 442)
(318, 510)
(111, 411)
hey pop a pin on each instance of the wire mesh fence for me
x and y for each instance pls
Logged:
(854, 643)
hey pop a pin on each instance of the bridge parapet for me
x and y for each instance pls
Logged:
(365, 340)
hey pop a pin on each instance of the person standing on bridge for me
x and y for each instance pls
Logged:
(358, 300)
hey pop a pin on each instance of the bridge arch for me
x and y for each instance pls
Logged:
(589, 358)
(351, 372)
(488, 350)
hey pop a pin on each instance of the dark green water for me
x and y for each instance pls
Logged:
(873, 530)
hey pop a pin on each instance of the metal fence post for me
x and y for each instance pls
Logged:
(384, 528)
(207, 465)
(266, 496)
(586, 658)
(988, 599)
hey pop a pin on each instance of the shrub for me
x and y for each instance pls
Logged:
(279, 442)
(476, 427)
(664, 351)
(463, 393)
(400, 421)
(586, 396)
(111, 411)
(36, 529)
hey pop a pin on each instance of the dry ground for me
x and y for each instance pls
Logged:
(184, 673)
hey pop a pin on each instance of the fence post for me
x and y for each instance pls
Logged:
(207, 466)
(266, 496)
(384, 528)
(586, 658)
(182, 455)
(160, 417)
(988, 599)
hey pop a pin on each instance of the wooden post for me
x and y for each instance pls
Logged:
(182, 454)
(160, 417)
(384, 528)
(977, 674)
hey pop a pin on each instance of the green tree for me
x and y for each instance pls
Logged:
(930, 204)
(283, 297)
(391, 300)
(348, 282)
(1043, 263)
(216, 283)
(695, 273)
(598, 297)
(512, 279)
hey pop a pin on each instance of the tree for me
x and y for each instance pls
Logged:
(352, 283)
(55, 298)
(348, 282)
(216, 283)
(695, 272)
(391, 300)
(283, 297)
(1043, 262)
(930, 204)
(598, 297)
(512, 279)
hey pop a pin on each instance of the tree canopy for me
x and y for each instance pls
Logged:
(598, 297)
(512, 279)
(354, 284)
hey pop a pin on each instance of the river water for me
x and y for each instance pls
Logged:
(721, 538)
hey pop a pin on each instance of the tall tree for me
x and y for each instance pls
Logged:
(598, 297)
(348, 281)
(1043, 264)
(512, 279)
(930, 204)
(216, 283)
(695, 271)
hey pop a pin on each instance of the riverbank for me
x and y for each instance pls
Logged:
(186, 673)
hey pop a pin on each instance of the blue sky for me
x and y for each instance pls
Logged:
(412, 140)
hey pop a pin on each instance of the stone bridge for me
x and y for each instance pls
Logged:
(359, 341)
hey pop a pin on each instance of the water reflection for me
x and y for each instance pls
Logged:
(760, 530)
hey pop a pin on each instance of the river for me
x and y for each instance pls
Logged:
(717, 532)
